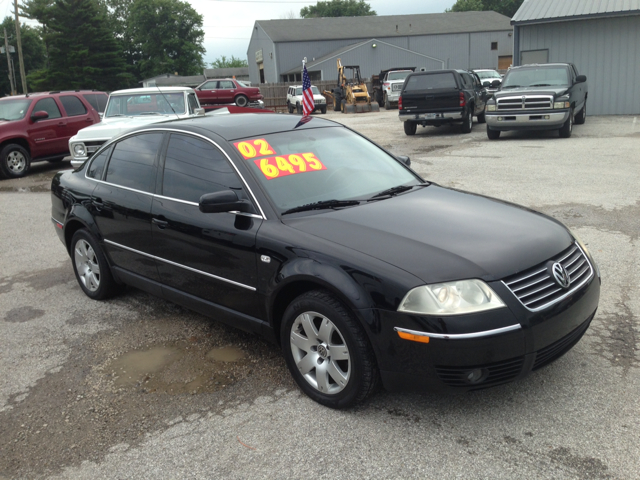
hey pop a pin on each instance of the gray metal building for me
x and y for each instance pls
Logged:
(433, 41)
(601, 37)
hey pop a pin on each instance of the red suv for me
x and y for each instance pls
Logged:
(228, 90)
(38, 126)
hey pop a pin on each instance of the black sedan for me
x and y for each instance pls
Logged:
(311, 235)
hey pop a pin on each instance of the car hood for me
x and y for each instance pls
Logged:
(110, 127)
(555, 91)
(438, 234)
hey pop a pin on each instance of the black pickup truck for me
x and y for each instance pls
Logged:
(441, 96)
(549, 96)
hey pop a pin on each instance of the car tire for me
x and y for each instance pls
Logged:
(581, 117)
(493, 134)
(387, 103)
(327, 351)
(289, 107)
(241, 101)
(91, 267)
(337, 102)
(343, 106)
(481, 118)
(410, 128)
(467, 123)
(15, 161)
(565, 131)
(298, 109)
(323, 109)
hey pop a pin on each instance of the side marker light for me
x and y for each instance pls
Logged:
(413, 338)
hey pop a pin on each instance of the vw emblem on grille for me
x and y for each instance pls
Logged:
(560, 275)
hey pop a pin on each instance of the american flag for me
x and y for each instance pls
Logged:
(307, 95)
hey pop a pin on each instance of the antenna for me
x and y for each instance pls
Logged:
(168, 102)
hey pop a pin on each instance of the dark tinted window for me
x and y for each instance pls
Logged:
(193, 102)
(48, 105)
(430, 82)
(73, 106)
(96, 167)
(132, 163)
(194, 167)
(96, 100)
(466, 79)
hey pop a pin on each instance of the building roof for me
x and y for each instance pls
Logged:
(542, 11)
(341, 28)
(226, 72)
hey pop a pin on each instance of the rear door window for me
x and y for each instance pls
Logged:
(96, 100)
(133, 162)
(73, 106)
(97, 164)
(433, 81)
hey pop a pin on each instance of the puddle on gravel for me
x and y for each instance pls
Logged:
(177, 369)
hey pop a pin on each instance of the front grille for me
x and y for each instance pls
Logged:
(92, 147)
(530, 102)
(552, 352)
(496, 373)
(396, 87)
(318, 102)
(536, 288)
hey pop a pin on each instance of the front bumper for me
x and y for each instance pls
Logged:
(501, 346)
(439, 117)
(256, 104)
(533, 120)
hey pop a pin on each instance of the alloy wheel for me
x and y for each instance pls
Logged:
(16, 161)
(87, 265)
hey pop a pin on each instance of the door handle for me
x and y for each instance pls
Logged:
(62, 124)
(160, 223)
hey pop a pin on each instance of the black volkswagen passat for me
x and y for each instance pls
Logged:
(313, 236)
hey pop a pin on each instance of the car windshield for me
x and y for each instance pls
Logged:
(536, 77)
(397, 75)
(487, 74)
(306, 166)
(314, 90)
(14, 109)
(242, 84)
(145, 104)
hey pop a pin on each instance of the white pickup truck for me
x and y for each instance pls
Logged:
(131, 108)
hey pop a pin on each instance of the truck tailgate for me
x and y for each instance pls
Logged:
(431, 101)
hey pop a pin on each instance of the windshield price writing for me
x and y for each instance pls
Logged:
(281, 166)
(254, 148)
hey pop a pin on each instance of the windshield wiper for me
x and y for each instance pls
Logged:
(540, 85)
(153, 113)
(389, 192)
(511, 86)
(322, 205)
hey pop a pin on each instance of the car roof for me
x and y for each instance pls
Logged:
(243, 125)
(46, 94)
(143, 90)
(484, 70)
(539, 65)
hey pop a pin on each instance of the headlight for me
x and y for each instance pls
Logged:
(561, 105)
(490, 108)
(79, 150)
(451, 298)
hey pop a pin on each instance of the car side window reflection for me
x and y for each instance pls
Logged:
(96, 167)
(48, 105)
(194, 167)
(132, 163)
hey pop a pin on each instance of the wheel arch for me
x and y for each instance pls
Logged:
(79, 218)
(23, 142)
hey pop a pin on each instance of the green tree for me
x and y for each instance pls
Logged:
(233, 62)
(32, 52)
(168, 37)
(82, 50)
(505, 7)
(338, 8)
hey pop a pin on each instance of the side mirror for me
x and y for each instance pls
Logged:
(199, 112)
(581, 78)
(495, 84)
(223, 201)
(404, 159)
(39, 115)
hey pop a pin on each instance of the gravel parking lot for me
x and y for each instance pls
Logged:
(136, 387)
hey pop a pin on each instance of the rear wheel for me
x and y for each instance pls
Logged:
(467, 123)
(387, 103)
(410, 128)
(298, 109)
(565, 131)
(289, 107)
(14, 161)
(242, 101)
(90, 266)
(327, 351)
(493, 134)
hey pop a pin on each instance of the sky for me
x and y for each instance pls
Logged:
(228, 23)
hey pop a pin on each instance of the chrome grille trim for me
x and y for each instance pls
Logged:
(531, 102)
(540, 293)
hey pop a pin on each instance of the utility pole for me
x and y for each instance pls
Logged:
(22, 74)
(6, 47)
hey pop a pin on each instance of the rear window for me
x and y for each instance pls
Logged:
(96, 100)
(72, 105)
(431, 81)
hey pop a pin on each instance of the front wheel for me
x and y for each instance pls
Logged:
(467, 123)
(323, 109)
(327, 351)
(289, 107)
(410, 128)
(565, 131)
(15, 161)
(242, 101)
(481, 118)
(90, 266)
(581, 117)
(493, 134)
